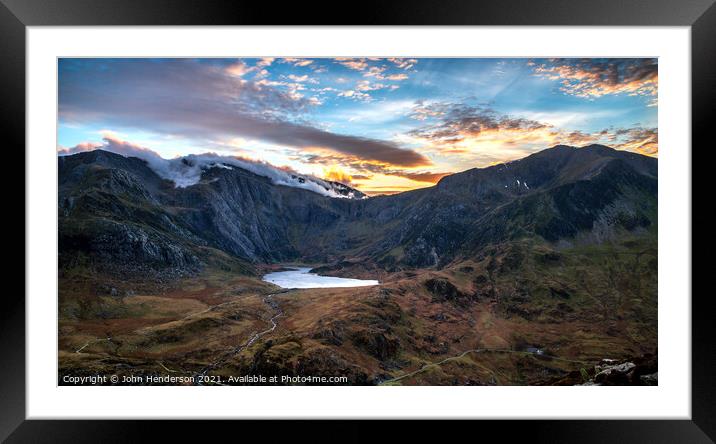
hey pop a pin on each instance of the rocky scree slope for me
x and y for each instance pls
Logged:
(116, 213)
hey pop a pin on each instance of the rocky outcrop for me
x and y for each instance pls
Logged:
(637, 371)
(610, 373)
(555, 194)
(443, 290)
(376, 343)
(296, 363)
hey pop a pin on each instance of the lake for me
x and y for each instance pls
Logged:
(301, 278)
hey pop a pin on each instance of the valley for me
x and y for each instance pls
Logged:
(480, 280)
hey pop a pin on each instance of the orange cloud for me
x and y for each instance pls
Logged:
(459, 122)
(427, 177)
(480, 135)
(337, 174)
(590, 79)
(641, 140)
(367, 175)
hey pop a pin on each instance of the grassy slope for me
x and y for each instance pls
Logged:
(579, 304)
(579, 301)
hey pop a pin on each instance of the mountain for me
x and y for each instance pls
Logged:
(538, 271)
(119, 211)
(333, 187)
(556, 194)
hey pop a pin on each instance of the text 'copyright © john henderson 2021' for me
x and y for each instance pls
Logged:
(199, 379)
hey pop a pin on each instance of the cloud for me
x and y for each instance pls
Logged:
(239, 69)
(264, 62)
(352, 63)
(352, 168)
(424, 176)
(337, 174)
(478, 134)
(355, 94)
(200, 101)
(397, 77)
(637, 139)
(591, 78)
(315, 100)
(423, 110)
(365, 85)
(111, 142)
(404, 63)
(463, 121)
(187, 170)
(375, 71)
(302, 79)
(296, 61)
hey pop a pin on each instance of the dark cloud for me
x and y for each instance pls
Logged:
(459, 121)
(366, 169)
(576, 138)
(641, 140)
(638, 139)
(203, 101)
(599, 77)
(448, 124)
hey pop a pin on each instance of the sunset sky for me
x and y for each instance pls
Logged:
(382, 125)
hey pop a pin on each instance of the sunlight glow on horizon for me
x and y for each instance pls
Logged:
(379, 125)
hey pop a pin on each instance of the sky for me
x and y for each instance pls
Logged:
(381, 125)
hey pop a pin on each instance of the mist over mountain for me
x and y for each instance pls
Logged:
(119, 209)
(187, 170)
(208, 269)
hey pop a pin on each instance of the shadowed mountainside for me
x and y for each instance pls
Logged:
(529, 272)
(117, 209)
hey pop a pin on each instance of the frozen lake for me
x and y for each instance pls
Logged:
(301, 278)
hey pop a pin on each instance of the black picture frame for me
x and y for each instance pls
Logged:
(16, 15)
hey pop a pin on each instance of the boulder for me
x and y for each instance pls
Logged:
(617, 374)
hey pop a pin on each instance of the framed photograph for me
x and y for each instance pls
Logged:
(464, 211)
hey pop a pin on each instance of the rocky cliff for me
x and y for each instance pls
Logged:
(119, 213)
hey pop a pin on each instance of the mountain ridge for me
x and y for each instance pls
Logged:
(557, 252)
(555, 194)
